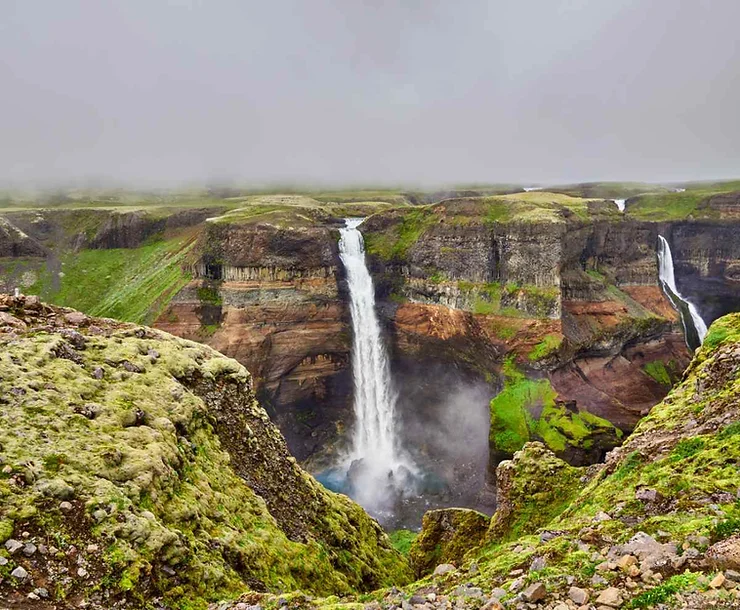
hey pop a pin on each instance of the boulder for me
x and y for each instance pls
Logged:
(535, 592)
(611, 597)
(725, 554)
(578, 596)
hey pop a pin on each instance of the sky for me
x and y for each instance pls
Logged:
(155, 92)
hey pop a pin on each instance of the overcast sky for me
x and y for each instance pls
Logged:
(339, 91)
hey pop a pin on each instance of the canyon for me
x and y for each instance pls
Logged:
(508, 317)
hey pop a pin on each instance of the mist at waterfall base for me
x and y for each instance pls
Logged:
(695, 329)
(433, 452)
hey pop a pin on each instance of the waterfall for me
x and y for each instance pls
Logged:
(668, 279)
(620, 204)
(376, 466)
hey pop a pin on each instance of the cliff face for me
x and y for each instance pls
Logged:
(141, 467)
(270, 297)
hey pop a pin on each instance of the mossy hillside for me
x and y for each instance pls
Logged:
(131, 284)
(136, 452)
(526, 409)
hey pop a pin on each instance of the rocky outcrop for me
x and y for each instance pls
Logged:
(147, 463)
(446, 536)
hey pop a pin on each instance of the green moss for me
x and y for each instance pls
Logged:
(210, 295)
(513, 424)
(394, 242)
(548, 346)
(446, 536)
(402, 540)
(163, 491)
(6, 530)
(658, 371)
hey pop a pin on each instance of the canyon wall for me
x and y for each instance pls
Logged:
(569, 300)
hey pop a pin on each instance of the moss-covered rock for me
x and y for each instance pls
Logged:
(155, 450)
(447, 534)
(529, 409)
(531, 489)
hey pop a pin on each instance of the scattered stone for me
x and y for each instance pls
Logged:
(535, 592)
(611, 597)
(538, 564)
(602, 516)
(82, 572)
(13, 546)
(717, 581)
(417, 600)
(492, 604)
(647, 495)
(561, 606)
(626, 561)
(41, 592)
(516, 585)
(92, 548)
(7, 469)
(732, 575)
(597, 580)
(578, 596)
(473, 569)
(29, 549)
(19, 573)
(98, 373)
(498, 593)
(65, 506)
(75, 317)
(3, 561)
(443, 569)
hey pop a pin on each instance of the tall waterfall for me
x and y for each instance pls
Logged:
(376, 463)
(620, 204)
(668, 278)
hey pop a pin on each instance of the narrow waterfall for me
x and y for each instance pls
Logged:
(376, 465)
(684, 306)
(620, 204)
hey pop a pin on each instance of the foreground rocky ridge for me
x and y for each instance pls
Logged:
(138, 469)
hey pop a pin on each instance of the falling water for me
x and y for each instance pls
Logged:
(620, 204)
(668, 278)
(376, 466)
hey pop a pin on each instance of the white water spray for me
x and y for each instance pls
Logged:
(620, 204)
(376, 465)
(667, 276)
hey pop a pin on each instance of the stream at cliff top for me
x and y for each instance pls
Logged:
(695, 329)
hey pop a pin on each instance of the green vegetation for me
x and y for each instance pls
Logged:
(658, 371)
(513, 420)
(127, 284)
(664, 592)
(394, 242)
(402, 540)
(547, 347)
